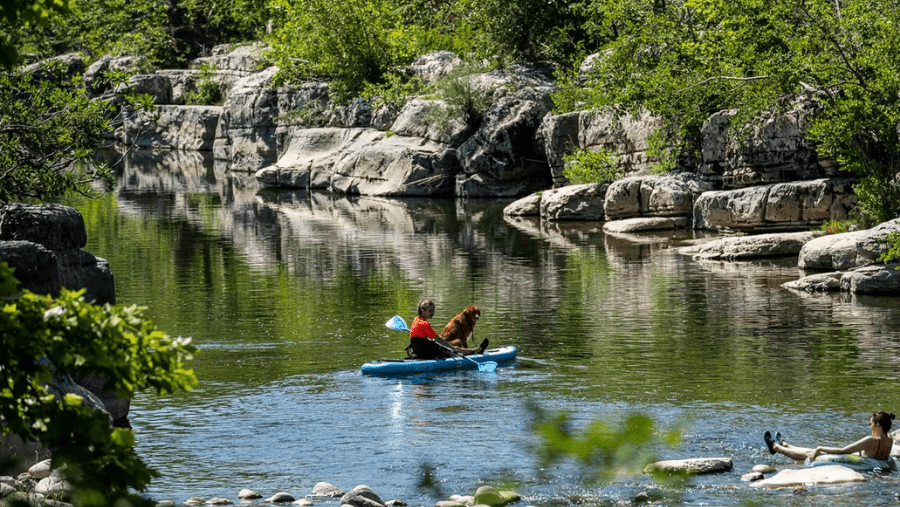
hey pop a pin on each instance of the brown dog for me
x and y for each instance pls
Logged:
(461, 327)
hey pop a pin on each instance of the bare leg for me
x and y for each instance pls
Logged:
(792, 451)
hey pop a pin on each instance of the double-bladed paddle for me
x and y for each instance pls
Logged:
(397, 323)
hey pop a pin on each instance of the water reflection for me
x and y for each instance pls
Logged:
(286, 294)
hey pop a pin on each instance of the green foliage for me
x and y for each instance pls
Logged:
(838, 226)
(586, 166)
(17, 13)
(47, 123)
(463, 100)
(396, 88)
(78, 338)
(209, 91)
(350, 42)
(893, 253)
(685, 59)
(603, 451)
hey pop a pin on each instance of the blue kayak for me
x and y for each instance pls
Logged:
(412, 366)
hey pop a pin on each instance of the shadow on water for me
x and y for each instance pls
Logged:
(286, 294)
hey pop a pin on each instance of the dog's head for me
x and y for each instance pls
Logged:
(471, 313)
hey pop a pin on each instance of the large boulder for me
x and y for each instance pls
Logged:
(363, 161)
(43, 243)
(847, 250)
(664, 196)
(872, 279)
(626, 139)
(258, 118)
(574, 202)
(793, 205)
(752, 246)
(776, 149)
(362, 496)
(501, 158)
(174, 127)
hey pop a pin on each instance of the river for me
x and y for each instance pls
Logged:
(286, 294)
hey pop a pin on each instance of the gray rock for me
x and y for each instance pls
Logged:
(449, 503)
(526, 206)
(219, 501)
(800, 204)
(157, 86)
(6, 489)
(362, 496)
(356, 114)
(54, 486)
(174, 128)
(752, 476)
(500, 159)
(413, 121)
(664, 196)
(384, 117)
(574, 202)
(53, 226)
(694, 466)
(629, 225)
(776, 149)
(875, 279)
(95, 75)
(40, 470)
(847, 250)
(280, 497)
(821, 282)
(753, 246)
(763, 469)
(165, 503)
(829, 474)
(194, 500)
(324, 489)
(303, 502)
(73, 65)
(246, 58)
(433, 66)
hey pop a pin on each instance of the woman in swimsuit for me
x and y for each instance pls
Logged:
(877, 446)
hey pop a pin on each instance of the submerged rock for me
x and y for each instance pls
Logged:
(752, 246)
(694, 466)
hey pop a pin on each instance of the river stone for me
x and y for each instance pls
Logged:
(248, 494)
(753, 246)
(645, 224)
(6, 489)
(872, 279)
(165, 503)
(194, 500)
(54, 486)
(219, 501)
(847, 250)
(395, 503)
(694, 466)
(40, 470)
(280, 497)
(303, 502)
(525, 207)
(764, 469)
(821, 282)
(488, 495)
(829, 474)
(449, 503)
(325, 489)
(362, 496)
(752, 476)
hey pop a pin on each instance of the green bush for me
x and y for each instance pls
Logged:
(586, 166)
(463, 100)
(79, 338)
(208, 90)
(893, 253)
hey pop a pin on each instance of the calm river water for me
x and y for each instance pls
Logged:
(286, 295)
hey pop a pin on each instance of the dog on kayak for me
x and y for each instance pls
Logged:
(461, 327)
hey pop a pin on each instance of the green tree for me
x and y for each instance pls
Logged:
(49, 129)
(41, 339)
(685, 59)
(14, 13)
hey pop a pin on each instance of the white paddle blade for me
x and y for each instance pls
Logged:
(487, 366)
(397, 324)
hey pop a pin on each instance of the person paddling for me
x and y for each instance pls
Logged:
(423, 340)
(877, 446)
